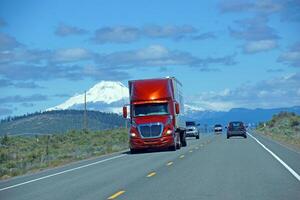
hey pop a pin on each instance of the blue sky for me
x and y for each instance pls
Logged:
(227, 54)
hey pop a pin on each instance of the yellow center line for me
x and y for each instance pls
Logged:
(169, 163)
(182, 156)
(151, 174)
(116, 194)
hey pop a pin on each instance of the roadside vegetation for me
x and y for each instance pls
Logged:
(23, 154)
(283, 127)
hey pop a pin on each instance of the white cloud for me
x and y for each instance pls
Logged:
(126, 34)
(261, 6)
(292, 56)
(260, 45)
(70, 55)
(168, 31)
(278, 92)
(256, 33)
(8, 42)
(118, 34)
(215, 105)
(153, 52)
(64, 30)
(159, 56)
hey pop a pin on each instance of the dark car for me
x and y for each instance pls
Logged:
(218, 129)
(236, 128)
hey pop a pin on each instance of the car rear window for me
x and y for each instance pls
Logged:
(190, 123)
(236, 124)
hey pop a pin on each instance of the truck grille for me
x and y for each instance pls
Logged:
(151, 130)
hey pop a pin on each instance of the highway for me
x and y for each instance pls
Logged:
(210, 168)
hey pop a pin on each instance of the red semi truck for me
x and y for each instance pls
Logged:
(156, 107)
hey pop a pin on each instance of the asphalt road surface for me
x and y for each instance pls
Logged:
(210, 168)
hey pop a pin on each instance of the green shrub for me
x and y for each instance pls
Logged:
(23, 154)
(284, 127)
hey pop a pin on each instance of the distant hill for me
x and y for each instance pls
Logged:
(246, 115)
(59, 121)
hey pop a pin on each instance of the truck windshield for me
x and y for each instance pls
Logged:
(151, 109)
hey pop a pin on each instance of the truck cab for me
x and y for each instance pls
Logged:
(156, 106)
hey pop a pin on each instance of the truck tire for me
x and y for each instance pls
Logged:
(184, 144)
(197, 137)
(183, 141)
(182, 138)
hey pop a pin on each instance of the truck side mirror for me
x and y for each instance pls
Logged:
(177, 108)
(125, 112)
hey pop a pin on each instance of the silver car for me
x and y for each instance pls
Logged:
(192, 129)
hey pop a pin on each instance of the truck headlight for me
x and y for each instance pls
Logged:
(132, 134)
(169, 132)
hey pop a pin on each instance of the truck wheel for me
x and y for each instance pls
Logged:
(179, 144)
(197, 137)
(183, 142)
(183, 139)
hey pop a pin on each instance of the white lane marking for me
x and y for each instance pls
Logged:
(277, 158)
(62, 172)
(285, 146)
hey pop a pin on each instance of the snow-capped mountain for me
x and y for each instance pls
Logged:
(105, 96)
(191, 108)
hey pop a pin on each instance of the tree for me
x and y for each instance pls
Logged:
(4, 140)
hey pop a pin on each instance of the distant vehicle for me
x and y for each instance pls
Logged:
(236, 128)
(155, 114)
(192, 130)
(218, 128)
